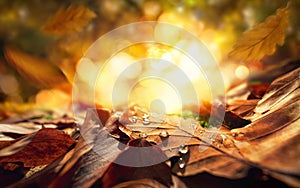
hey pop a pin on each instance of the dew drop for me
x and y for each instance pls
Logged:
(145, 116)
(219, 138)
(164, 134)
(181, 163)
(228, 143)
(143, 135)
(201, 132)
(183, 149)
(134, 119)
(146, 121)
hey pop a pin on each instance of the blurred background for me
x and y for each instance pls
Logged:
(38, 59)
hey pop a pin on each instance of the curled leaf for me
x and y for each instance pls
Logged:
(68, 21)
(281, 88)
(262, 39)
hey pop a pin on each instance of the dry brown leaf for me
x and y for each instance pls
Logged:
(117, 173)
(14, 146)
(277, 109)
(25, 128)
(262, 39)
(277, 153)
(46, 146)
(270, 144)
(243, 108)
(279, 90)
(68, 21)
(35, 69)
(211, 160)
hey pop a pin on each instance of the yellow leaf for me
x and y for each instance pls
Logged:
(68, 21)
(36, 70)
(262, 39)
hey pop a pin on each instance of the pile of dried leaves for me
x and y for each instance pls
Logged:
(47, 149)
(257, 143)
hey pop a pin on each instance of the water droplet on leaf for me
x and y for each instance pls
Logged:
(146, 121)
(183, 149)
(145, 116)
(143, 135)
(181, 162)
(134, 119)
(164, 134)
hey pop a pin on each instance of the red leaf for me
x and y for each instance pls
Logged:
(257, 90)
(47, 145)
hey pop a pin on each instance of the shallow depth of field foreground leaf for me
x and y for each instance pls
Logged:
(35, 69)
(68, 21)
(262, 39)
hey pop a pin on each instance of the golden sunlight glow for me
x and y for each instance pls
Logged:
(156, 90)
(130, 76)
(52, 98)
(166, 76)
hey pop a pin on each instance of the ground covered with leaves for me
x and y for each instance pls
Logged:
(248, 138)
(257, 144)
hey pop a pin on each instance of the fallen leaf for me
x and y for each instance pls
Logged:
(271, 141)
(243, 108)
(269, 144)
(270, 122)
(66, 169)
(203, 158)
(239, 91)
(262, 39)
(281, 88)
(277, 154)
(118, 173)
(46, 146)
(15, 146)
(91, 153)
(68, 21)
(21, 128)
(35, 69)
(231, 120)
(95, 163)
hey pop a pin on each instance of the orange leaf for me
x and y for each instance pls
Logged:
(35, 69)
(68, 21)
(262, 39)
